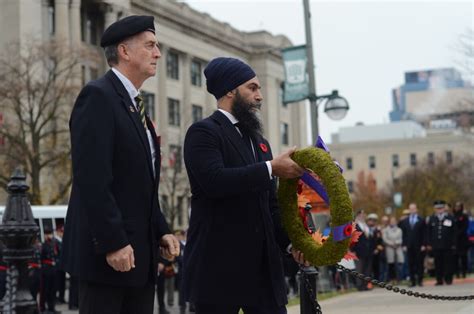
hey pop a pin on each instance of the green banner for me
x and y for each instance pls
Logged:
(296, 85)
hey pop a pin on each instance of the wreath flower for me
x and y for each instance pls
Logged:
(318, 252)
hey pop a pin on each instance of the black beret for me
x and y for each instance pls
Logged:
(439, 204)
(126, 27)
(225, 74)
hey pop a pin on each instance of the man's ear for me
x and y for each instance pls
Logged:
(123, 52)
(231, 94)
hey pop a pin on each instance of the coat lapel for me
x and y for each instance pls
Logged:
(133, 114)
(233, 135)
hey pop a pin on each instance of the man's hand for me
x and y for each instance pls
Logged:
(284, 167)
(169, 247)
(299, 257)
(121, 260)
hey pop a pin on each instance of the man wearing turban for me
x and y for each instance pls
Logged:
(232, 256)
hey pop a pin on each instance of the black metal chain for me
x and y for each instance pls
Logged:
(395, 289)
(309, 289)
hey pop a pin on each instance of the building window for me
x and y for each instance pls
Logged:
(413, 159)
(431, 159)
(51, 18)
(197, 113)
(172, 65)
(174, 116)
(395, 161)
(372, 164)
(349, 163)
(91, 26)
(350, 186)
(284, 133)
(196, 76)
(281, 93)
(449, 157)
(149, 102)
(175, 157)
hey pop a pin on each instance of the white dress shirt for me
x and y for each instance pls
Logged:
(133, 92)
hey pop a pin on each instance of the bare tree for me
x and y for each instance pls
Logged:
(175, 185)
(451, 181)
(38, 84)
(367, 196)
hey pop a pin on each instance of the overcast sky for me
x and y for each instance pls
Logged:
(362, 48)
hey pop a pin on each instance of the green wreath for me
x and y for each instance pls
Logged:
(331, 251)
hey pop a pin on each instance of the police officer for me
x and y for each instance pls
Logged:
(34, 270)
(48, 256)
(440, 236)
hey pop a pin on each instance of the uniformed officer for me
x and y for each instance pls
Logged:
(48, 256)
(440, 238)
(34, 270)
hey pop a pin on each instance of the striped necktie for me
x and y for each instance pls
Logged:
(141, 109)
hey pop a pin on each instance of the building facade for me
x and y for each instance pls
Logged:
(386, 151)
(176, 97)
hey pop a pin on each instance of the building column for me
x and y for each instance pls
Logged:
(61, 19)
(75, 14)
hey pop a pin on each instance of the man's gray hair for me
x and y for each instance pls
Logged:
(111, 54)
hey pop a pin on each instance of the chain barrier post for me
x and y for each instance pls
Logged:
(308, 277)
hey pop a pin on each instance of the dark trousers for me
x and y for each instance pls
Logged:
(160, 290)
(415, 264)
(73, 293)
(460, 263)
(60, 284)
(47, 290)
(96, 298)
(234, 309)
(443, 265)
(363, 266)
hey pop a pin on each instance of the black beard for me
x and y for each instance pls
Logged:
(249, 122)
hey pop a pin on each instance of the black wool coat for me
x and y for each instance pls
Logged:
(114, 198)
(235, 239)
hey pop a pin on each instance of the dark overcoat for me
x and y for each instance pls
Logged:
(114, 198)
(235, 237)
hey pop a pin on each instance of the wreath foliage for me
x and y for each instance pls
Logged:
(320, 162)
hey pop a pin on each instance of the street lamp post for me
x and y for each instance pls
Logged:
(336, 108)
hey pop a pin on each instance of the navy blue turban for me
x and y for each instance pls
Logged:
(226, 74)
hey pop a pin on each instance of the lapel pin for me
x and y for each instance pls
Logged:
(131, 109)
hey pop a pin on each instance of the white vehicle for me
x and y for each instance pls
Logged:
(49, 215)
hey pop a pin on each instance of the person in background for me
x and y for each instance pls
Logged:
(34, 270)
(441, 242)
(60, 275)
(378, 252)
(48, 271)
(461, 221)
(383, 267)
(392, 238)
(414, 244)
(3, 272)
(364, 249)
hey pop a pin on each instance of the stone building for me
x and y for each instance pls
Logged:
(176, 96)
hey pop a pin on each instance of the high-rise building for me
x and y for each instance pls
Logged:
(432, 95)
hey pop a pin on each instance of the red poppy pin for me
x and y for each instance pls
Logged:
(263, 147)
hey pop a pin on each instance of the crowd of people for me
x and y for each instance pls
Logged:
(407, 249)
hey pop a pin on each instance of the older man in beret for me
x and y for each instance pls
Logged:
(114, 225)
(232, 256)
